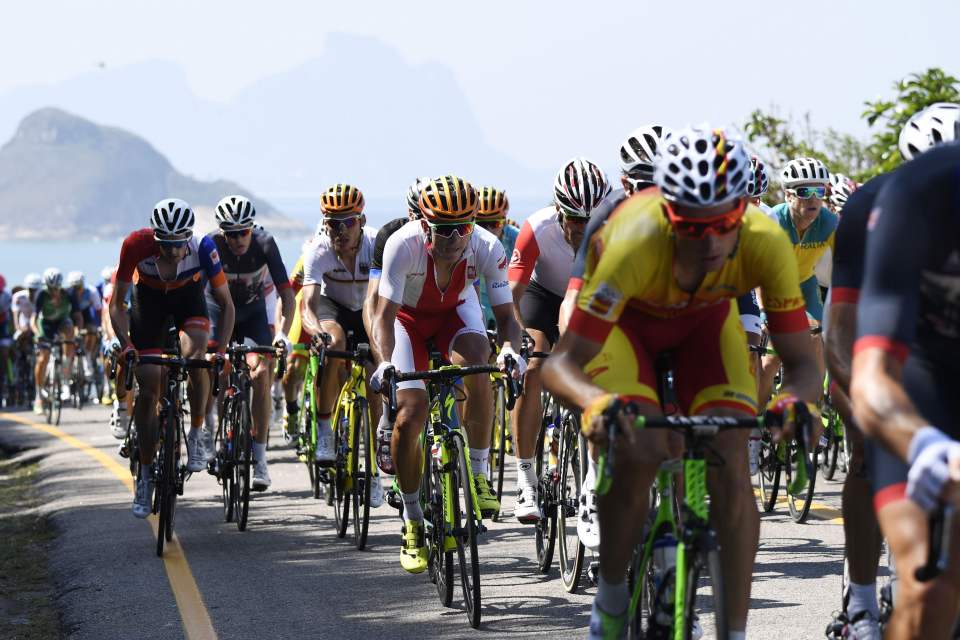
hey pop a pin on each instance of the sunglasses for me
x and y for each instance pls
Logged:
(172, 244)
(448, 229)
(491, 225)
(701, 227)
(339, 225)
(578, 221)
(242, 233)
(805, 193)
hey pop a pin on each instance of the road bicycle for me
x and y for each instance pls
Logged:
(501, 441)
(834, 444)
(52, 390)
(79, 391)
(452, 518)
(234, 439)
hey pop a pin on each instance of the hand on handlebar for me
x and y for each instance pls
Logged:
(282, 341)
(786, 412)
(519, 361)
(376, 380)
(934, 475)
(224, 362)
(595, 421)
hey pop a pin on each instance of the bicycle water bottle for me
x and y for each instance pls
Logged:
(664, 562)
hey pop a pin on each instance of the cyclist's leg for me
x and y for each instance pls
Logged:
(68, 332)
(40, 368)
(714, 377)
(469, 346)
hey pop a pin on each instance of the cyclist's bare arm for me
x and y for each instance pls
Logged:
(880, 405)
(517, 289)
(801, 372)
(370, 306)
(287, 307)
(118, 313)
(840, 338)
(383, 319)
(227, 316)
(508, 329)
(308, 317)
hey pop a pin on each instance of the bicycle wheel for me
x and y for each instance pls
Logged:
(225, 459)
(166, 487)
(361, 471)
(243, 460)
(440, 558)
(546, 527)
(339, 475)
(573, 468)
(465, 533)
(640, 576)
(828, 462)
(501, 433)
(703, 564)
(51, 389)
(799, 505)
(769, 473)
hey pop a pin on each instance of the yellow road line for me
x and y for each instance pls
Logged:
(818, 510)
(196, 620)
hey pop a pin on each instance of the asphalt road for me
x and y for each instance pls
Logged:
(289, 576)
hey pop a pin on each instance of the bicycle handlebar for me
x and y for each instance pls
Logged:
(938, 545)
(173, 363)
(238, 351)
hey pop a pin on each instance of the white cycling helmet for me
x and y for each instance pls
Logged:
(938, 123)
(52, 278)
(579, 187)
(413, 196)
(172, 219)
(701, 166)
(757, 181)
(840, 189)
(804, 171)
(74, 279)
(638, 151)
(235, 213)
(33, 281)
(106, 273)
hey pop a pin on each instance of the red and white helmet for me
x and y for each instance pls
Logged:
(701, 166)
(757, 181)
(579, 187)
(938, 123)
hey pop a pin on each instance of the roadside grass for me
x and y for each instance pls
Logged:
(28, 610)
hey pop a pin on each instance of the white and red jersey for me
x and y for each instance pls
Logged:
(140, 253)
(409, 275)
(542, 253)
(22, 307)
(345, 286)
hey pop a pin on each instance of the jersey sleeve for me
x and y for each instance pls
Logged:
(772, 260)
(136, 247)
(312, 269)
(890, 296)
(525, 254)
(278, 271)
(494, 272)
(397, 263)
(850, 245)
(210, 262)
(606, 288)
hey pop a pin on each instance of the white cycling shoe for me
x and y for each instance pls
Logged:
(261, 477)
(196, 458)
(527, 510)
(588, 525)
(376, 492)
(325, 454)
(864, 626)
(206, 437)
(143, 498)
(118, 423)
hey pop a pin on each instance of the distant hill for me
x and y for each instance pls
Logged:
(62, 176)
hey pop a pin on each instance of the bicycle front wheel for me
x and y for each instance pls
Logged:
(501, 433)
(465, 532)
(166, 486)
(769, 474)
(831, 455)
(573, 468)
(226, 459)
(339, 475)
(546, 527)
(440, 554)
(799, 504)
(243, 460)
(361, 471)
(702, 565)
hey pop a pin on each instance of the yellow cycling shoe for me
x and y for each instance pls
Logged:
(413, 552)
(488, 503)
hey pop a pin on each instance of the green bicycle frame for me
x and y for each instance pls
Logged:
(663, 519)
(308, 403)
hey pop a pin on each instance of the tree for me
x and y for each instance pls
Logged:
(915, 92)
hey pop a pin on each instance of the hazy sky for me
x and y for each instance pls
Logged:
(546, 79)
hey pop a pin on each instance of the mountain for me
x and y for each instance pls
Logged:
(62, 176)
(359, 113)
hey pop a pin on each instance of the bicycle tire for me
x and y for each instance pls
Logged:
(338, 475)
(165, 482)
(361, 471)
(439, 559)
(799, 506)
(465, 533)
(176, 487)
(226, 455)
(546, 527)
(769, 474)
(48, 405)
(501, 434)
(573, 467)
(706, 562)
(638, 627)
(243, 452)
(831, 454)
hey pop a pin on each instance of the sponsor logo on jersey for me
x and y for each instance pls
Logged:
(515, 257)
(500, 284)
(782, 304)
(503, 262)
(603, 300)
(214, 256)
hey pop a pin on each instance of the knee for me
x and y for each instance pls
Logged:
(410, 417)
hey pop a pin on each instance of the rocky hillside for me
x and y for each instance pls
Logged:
(62, 176)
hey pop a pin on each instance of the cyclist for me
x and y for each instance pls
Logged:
(22, 306)
(841, 187)
(384, 428)
(926, 128)
(53, 317)
(171, 268)
(811, 228)
(6, 332)
(905, 364)
(539, 273)
(632, 309)
(88, 306)
(336, 270)
(492, 216)
(249, 259)
(636, 166)
(427, 294)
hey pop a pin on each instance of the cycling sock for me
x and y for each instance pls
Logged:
(612, 598)
(411, 506)
(323, 426)
(526, 474)
(259, 451)
(292, 407)
(194, 433)
(479, 460)
(863, 597)
(737, 635)
(210, 419)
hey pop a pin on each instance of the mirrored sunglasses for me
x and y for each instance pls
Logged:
(447, 230)
(804, 193)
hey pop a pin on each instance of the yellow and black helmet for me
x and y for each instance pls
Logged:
(493, 204)
(341, 199)
(448, 198)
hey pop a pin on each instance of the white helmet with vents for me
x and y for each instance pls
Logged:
(804, 171)
(579, 187)
(74, 279)
(638, 151)
(702, 167)
(235, 213)
(938, 123)
(172, 219)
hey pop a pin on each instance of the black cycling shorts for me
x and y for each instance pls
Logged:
(350, 321)
(540, 310)
(152, 312)
(932, 390)
(250, 321)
